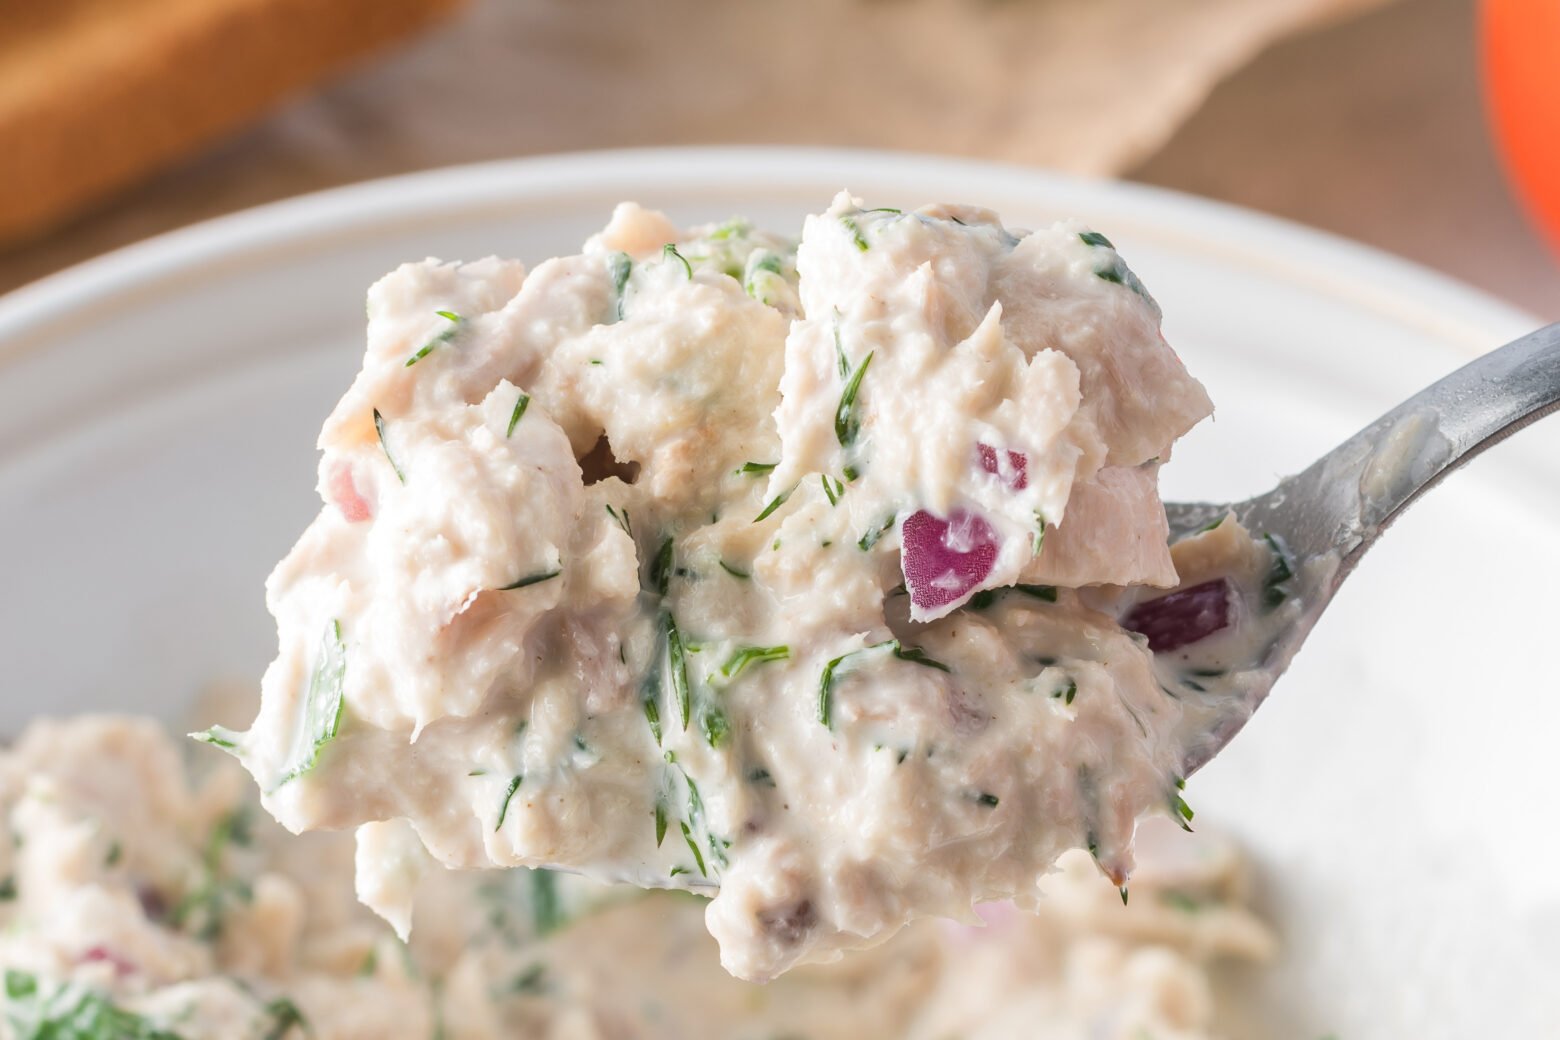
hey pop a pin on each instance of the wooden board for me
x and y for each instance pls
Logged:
(95, 94)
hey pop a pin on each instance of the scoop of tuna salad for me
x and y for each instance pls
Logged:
(822, 577)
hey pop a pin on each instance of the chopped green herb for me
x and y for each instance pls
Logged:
(1045, 592)
(203, 908)
(833, 490)
(714, 725)
(670, 250)
(1180, 901)
(1123, 891)
(661, 568)
(284, 1016)
(760, 777)
(753, 655)
(988, 799)
(650, 697)
(855, 233)
(679, 869)
(521, 404)
(762, 266)
(622, 520)
(1112, 268)
(1065, 694)
(847, 424)
(1182, 812)
(915, 655)
(1039, 542)
(322, 705)
(1212, 525)
(839, 348)
(1274, 591)
(531, 982)
(986, 597)
(7, 888)
(619, 266)
(677, 664)
(509, 794)
(757, 468)
(871, 538)
(73, 1013)
(379, 428)
(547, 914)
(116, 852)
(1094, 238)
(729, 569)
(660, 821)
(775, 503)
(442, 338)
(693, 846)
(883, 209)
(533, 579)
(220, 736)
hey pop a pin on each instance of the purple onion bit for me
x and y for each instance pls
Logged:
(1183, 617)
(1018, 466)
(945, 560)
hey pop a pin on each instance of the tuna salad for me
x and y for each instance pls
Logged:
(143, 901)
(824, 578)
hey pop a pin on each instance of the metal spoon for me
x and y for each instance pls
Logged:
(1329, 515)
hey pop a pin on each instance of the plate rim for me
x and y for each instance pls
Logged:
(1405, 291)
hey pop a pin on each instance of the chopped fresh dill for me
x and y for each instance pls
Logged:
(847, 424)
(533, 579)
(660, 820)
(670, 250)
(839, 348)
(1065, 694)
(693, 847)
(832, 489)
(619, 266)
(322, 704)
(284, 1016)
(871, 538)
(509, 794)
(1274, 591)
(521, 404)
(855, 233)
(547, 914)
(622, 520)
(987, 799)
(729, 569)
(714, 725)
(915, 655)
(379, 428)
(1180, 901)
(748, 655)
(754, 469)
(775, 503)
(1212, 525)
(760, 777)
(439, 340)
(1094, 238)
(219, 736)
(883, 209)
(677, 664)
(661, 567)
(531, 982)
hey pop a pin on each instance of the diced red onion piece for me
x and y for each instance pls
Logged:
(1183, 617)
(944, 560)
(103, 954)
(343, 492)
(1018, 466)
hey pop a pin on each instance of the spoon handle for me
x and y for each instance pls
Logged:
(1344, 500)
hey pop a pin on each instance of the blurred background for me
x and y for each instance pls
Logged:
(1430, 128)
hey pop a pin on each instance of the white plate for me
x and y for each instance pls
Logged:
(158, 409)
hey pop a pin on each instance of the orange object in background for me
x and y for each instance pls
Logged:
(1520, 41)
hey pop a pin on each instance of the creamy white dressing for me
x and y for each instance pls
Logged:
(791, 573)
(146, 902)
